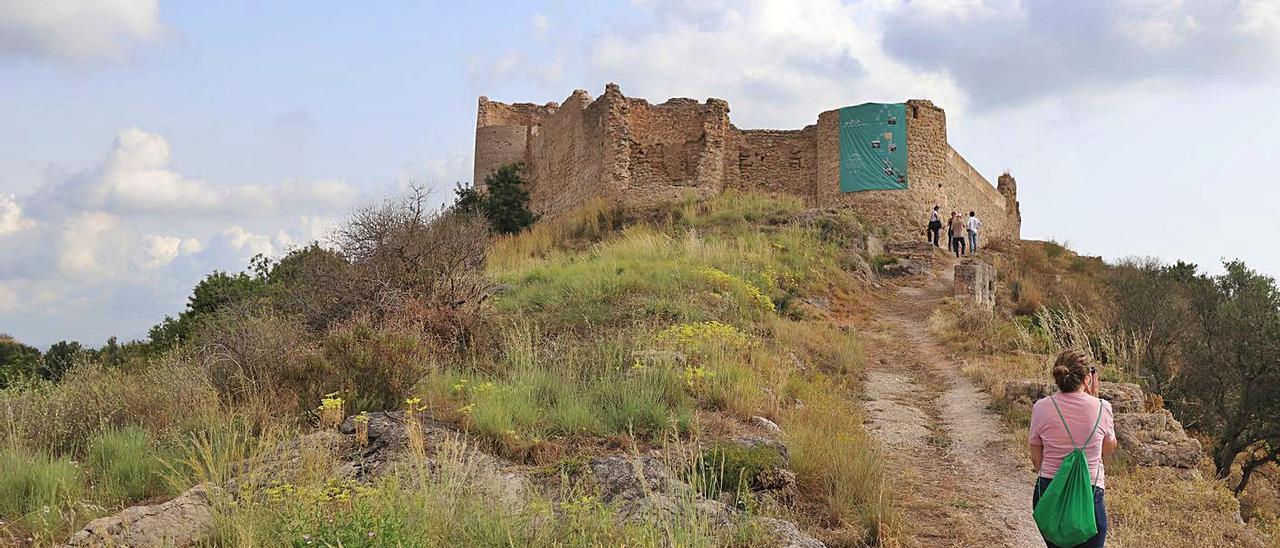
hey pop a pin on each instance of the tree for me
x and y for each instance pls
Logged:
(215, 292)
(1153, 307)
(60, 358)
(17, 360)
(504, 203)
(1230, 382)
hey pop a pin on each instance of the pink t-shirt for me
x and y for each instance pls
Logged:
(1080, 411)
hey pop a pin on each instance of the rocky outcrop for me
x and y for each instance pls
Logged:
(1156, 439)
(1147, 439)
(1124, 397)
(642, 487)
(183, 521)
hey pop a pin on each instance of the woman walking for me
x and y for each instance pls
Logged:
(958, 229)
(1074, 415)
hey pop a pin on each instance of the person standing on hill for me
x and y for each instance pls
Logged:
(1074, 413)
(957, 233)
(975, 224)
(935, 226)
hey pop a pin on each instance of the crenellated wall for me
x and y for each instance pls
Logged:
(629, 150)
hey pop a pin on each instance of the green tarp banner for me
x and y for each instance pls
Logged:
(873, 147)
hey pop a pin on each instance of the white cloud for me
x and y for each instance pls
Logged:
(247, 243)
(11, 218)
(77, 30)
(1016, 52)
(120, 244)
(778, 62)
(158, 251)
(85, 238)
(135, 178)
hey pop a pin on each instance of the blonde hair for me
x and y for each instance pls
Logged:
(1070, 369)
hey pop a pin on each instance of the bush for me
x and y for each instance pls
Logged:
(504, 202)
(424, 266)
(257, 356)
(67, 417)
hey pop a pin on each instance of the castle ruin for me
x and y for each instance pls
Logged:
(627, 150)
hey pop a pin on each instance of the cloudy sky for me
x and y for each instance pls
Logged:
(145, 143)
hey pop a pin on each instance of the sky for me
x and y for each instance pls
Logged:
(145, 143)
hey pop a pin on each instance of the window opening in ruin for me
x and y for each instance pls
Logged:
(915, 111)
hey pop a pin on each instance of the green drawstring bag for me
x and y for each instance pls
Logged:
(1065, 513)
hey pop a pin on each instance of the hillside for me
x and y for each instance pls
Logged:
(736, 371)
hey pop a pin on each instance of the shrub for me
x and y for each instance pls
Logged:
(419, 265)
(376, 365)
(256, 355)
(505, 202)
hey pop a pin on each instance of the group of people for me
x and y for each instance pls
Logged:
(958, 227)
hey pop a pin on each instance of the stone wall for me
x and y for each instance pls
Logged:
(625, 149)
(975, 281)
(781, 161)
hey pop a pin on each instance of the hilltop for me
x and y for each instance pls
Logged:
(737, 370)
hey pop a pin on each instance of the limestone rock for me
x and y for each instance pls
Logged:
(768, 425)
(642, 487)
(1124, 397)
(183, 521)
(1156, 439)
(904, 267)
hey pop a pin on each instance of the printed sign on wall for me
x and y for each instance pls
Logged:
(873, 147)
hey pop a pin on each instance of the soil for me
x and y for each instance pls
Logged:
(958, 479)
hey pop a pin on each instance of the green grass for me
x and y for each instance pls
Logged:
(125, 466)
(38, 492)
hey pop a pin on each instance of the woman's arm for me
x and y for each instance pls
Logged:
(1037, 456)
(1109, 446)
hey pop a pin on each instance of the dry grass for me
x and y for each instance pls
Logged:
(837, 465)
(1157, 507)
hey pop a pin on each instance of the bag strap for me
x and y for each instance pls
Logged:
(1087, 440)
(1068, 428)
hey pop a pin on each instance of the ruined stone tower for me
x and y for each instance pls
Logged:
(628, 150)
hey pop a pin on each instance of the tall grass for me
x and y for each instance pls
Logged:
(837, 463)
(125, 466)
(38, 493)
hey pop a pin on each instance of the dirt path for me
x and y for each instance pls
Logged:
(960, 481)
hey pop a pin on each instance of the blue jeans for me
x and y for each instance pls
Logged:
(973, 242)
(1099, 510)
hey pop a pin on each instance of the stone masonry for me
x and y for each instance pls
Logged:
(976, 281)
(627, 150)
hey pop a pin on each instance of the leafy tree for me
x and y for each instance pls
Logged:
(504, 202)
(17, 360)
(467, 199)
(1229, 385)
(1153, 306)
(60, 358)
(215, 292)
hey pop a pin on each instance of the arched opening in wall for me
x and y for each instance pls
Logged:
(915, 111)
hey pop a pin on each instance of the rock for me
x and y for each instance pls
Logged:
(787, 535)
(774, 479)
(903, 267)
(1156, 439)
(768, 425)
(642, 487)
(183, 521)
(820, 303)
(1124, 397)
(751, 442)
